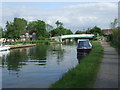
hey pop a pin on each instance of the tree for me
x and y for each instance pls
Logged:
(1, 32)
(20, 23)
(49, 27)
(114, 24)
(116, 32)
(40, 28)
(96, 30)
(60, 31)
(31, 25)
(9, 33)
(78, 32)
(57, 23)
(61, 25)
(68, 31)
(13, 28)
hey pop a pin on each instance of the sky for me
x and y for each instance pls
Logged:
(73, 15)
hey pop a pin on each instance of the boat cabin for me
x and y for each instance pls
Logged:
(84, 46)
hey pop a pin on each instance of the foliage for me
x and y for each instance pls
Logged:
(95, 30)
(60, 31)
(41, 38)
(49, 27)
(31, 25)
(114, 23)
(85, 73)
(114, 38)
(40, 28)
(59, 24)
(19, 24)
(1, 32)
(78, 32)
(13, 28)
(9, 33)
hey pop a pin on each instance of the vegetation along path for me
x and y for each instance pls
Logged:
(108, 74)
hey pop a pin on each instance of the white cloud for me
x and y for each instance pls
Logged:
(75, 17)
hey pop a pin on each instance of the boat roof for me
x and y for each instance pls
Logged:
(83, 39)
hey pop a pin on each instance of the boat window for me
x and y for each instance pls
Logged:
(83, 44)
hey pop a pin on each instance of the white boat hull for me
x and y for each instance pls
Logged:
(4, 48)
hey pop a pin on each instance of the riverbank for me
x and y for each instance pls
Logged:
(49, 42)
(20, 46)
(85, 73)
(36, 41)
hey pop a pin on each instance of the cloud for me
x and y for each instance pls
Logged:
(75, 17)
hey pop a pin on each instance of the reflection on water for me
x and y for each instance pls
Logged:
(37, 67)
(3, 55)
(80, 56)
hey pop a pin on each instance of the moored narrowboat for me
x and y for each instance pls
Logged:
(84, 46)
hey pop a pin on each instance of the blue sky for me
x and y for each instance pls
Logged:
(74, 15)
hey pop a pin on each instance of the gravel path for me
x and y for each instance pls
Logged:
(108, 73)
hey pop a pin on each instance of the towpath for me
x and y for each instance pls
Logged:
(108, 74)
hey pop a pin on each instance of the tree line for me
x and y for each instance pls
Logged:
(43, 30)
(12, 29)
(95, 30)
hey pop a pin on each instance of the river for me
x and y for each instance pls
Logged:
(37, 67)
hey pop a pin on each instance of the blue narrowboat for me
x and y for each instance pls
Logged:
(84, 46)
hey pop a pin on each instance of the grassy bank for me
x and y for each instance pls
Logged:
(84, 74)
(36, 41)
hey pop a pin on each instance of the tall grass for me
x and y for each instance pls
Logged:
(84, 74)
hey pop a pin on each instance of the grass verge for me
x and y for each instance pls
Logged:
(84, 74)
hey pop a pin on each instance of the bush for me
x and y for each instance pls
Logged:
(110, 37)
(41, 38)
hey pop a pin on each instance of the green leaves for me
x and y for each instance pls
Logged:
(13, 28)
(78, 32)
(1, 32)
(60, 31)
(59, 24)
(95, 30)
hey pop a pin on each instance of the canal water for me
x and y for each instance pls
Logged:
(37, 67)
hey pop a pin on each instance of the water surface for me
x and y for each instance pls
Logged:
(37, 67)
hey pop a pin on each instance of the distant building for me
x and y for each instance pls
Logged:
(107, 31)
(27, 35)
